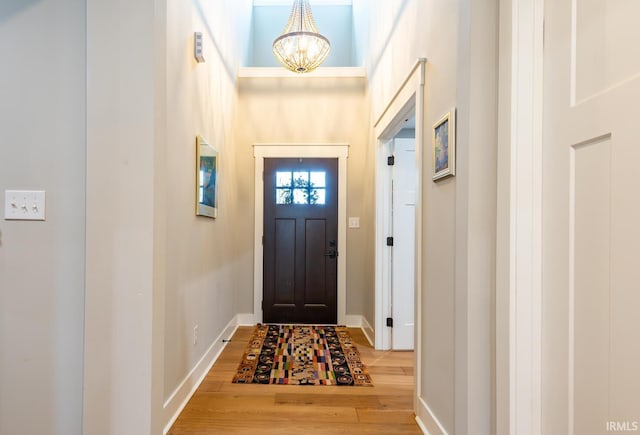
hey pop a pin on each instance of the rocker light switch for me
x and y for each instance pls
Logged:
(26, 205)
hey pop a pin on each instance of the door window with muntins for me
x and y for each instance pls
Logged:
(301, 187)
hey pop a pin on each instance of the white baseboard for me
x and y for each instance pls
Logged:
(181, 395)
(353, 320)
(358, 321)
(427, 421)
(422, 426)
(368, 331)
(246, 319)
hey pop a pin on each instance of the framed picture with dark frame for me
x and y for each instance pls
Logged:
(444, 146)
(206, 179)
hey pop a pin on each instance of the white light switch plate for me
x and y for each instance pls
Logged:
(26, 205)
(354, 222)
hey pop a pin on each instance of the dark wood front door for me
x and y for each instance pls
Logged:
(300, 241)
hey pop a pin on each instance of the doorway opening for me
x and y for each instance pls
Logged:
(405, 111)
(396, 221)
(401, 183)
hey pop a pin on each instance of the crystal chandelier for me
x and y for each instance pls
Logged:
(301, 48)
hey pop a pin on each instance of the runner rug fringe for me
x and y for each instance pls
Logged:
(301, 355)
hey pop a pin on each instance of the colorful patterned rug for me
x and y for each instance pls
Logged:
(301, 355)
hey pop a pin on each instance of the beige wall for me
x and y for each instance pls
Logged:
(204, 267)
(42, 131)
(458, 213)
(121, 380)
(476, 205)
(154, 269)
(306, 110)
(395, 42)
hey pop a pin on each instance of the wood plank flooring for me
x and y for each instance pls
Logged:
(220, 407)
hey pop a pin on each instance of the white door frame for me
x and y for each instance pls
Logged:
(262, 151)
(407, 101)
(519, 219)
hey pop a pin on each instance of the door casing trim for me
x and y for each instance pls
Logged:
(262, 151)
(409, 99)
(518, 299)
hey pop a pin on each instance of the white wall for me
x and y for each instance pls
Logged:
(458, 218)
(42, 133)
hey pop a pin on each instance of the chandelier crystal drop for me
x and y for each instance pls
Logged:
(301, 48)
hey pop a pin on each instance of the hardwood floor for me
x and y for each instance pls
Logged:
(220, 407)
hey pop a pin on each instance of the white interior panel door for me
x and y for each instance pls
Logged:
(591, 218)
(403, 252)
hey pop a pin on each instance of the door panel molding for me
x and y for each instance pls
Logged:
(404, 174)
(262, 151)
